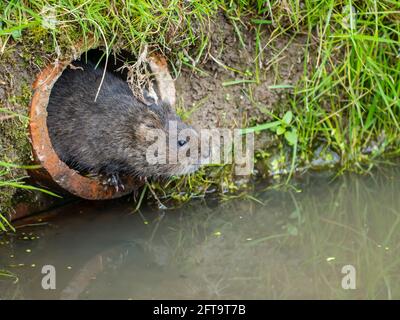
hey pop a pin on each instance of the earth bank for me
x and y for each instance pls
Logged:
(234, 84)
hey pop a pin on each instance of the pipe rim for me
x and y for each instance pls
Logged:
(44, 154)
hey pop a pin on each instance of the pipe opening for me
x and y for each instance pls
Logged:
(58, 170)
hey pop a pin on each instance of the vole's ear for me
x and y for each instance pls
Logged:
(160, 106)
(150, 97)
(162, 109)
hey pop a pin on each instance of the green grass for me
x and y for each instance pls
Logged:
(128, 24)
(353, 99)
(347, 98)
(16, 183)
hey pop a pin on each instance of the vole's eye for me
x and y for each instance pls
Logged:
(181, 143)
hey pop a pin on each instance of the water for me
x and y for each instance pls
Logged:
(292, 245)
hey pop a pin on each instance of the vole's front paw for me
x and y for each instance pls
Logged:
(115, 181)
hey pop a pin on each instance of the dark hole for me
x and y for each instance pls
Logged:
(115, 60)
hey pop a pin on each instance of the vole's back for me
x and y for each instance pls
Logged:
(110, 136)
(86, 134)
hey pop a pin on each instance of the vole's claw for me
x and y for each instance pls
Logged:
(115, 181)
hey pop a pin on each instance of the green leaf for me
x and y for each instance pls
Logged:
(12, 165)
(234, 82)
(4, 222)
(291, 137)
(261, 21)
(287, 118)
(370, 117)
(280, 130)
(16, 34)
(260, 127)
(280, 86)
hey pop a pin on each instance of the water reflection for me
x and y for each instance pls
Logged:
(292, 245)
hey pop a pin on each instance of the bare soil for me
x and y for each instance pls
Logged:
(215, 104)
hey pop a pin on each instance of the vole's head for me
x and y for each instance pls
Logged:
(165, 145)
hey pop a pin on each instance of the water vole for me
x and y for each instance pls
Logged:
(109, 137)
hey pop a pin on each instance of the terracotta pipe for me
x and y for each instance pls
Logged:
(54, 173)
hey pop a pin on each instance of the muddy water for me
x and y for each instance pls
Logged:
(288, 244)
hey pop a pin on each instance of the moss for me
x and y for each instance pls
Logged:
(14, 143)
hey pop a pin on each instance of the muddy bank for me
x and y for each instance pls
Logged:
(232, 85)
(209, 94)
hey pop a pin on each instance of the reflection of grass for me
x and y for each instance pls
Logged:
(248, 249)
(8, 274)
(355, 222)
(351, 221)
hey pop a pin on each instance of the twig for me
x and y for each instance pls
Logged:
(161, 205)
(2, 118)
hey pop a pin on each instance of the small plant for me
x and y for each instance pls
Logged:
(18, 183)
(282, 127)
(286, 129)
